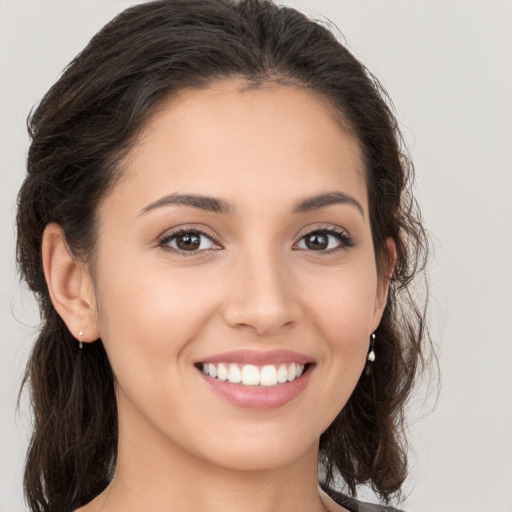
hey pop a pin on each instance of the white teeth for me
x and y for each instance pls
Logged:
(212, 370)
(282, 374)
(251, 375)
(292, 372)
(222, 372)
(234, 374)
(268, 375)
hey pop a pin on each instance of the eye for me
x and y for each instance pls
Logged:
(326, 240)
(188, 240)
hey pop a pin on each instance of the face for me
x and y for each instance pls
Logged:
(237, 246)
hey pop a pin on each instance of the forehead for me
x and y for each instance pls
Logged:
(231, 140)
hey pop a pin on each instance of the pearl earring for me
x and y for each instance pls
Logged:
(371, 354)
(80, 344)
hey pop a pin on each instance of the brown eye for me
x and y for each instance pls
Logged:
(326, 240)
(188, 242)
(317, 241)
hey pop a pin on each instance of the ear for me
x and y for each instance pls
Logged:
(384, 279)
(70, 285)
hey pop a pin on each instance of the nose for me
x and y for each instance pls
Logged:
(261, 297)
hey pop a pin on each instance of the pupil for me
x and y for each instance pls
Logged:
(317, 241)
(188, 242)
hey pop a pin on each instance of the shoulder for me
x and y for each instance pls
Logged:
(355, 505)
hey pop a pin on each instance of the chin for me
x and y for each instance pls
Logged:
(258, 449)
(265, 459)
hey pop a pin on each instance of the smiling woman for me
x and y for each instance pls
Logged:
(218, 224)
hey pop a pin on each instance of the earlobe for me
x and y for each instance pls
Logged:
(69, 285)
(383, 282)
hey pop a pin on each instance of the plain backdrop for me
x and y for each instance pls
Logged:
(447, 66)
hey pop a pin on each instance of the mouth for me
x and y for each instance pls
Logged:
(253, 379)
(264, 376)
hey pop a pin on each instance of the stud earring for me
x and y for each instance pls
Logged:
(80, 344)
(371, 354)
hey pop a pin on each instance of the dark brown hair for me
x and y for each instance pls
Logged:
(80, 132)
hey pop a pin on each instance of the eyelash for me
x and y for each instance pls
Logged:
(344, 239)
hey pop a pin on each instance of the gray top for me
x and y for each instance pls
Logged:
(357, 506)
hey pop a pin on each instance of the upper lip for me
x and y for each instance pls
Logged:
(258, 358)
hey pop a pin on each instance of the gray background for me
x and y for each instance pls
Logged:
(447, 66)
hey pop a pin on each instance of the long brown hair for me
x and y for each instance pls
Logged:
(80, 131)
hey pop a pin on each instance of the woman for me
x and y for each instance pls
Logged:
(218, 224)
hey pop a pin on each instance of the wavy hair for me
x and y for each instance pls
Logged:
(79, 133)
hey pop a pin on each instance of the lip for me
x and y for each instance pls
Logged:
(258, 358)
(258, 397)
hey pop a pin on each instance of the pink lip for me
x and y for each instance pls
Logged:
(258, 397)
(258, 358)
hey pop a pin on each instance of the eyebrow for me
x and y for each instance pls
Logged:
(327, 199)
(209, 204)
(216, 205)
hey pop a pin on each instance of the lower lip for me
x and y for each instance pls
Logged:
(258, 397)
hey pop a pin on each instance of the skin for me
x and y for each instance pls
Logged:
(256, 286)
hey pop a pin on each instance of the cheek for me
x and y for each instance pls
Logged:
(148, 318)
(343, 305)
(342, 312)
